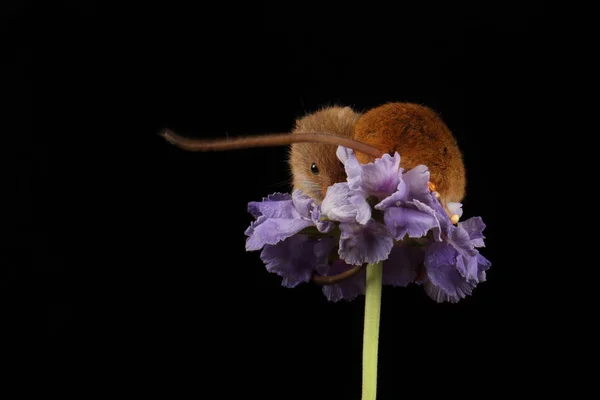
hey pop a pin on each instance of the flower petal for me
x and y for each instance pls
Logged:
(401, 221)
(277, 205)
(445, 225)
(293, 259)
(322, 226)
(302, 203)
(381, 177)
(351, 165)
(400, 268)
(483, 264)
(464, 289)
(271, 231)
(430, 211)
(361, 244)
(345, 205)
(474, 227)
(396, 199)
(468, 269)
(442, 262)
(417, 183)
(349, 288)
(459, 238)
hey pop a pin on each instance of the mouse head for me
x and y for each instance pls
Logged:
(315, 166)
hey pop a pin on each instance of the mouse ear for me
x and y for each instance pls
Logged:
(276, 139)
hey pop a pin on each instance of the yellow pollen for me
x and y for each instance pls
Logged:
(454, 218)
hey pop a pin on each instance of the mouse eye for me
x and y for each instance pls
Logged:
(314, 169)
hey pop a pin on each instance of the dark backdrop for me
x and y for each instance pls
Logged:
(130, 251)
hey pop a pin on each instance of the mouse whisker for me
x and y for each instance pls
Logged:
(311, 184)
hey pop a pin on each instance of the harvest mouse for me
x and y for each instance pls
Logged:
(416, 132)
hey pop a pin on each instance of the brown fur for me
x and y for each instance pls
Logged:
(420, 137)
(335, 120)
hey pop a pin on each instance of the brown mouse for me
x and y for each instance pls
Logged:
(416, 132)
(420, 136)
(314, 166)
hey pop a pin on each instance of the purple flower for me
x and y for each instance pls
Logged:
(380, 214)
(454, 266)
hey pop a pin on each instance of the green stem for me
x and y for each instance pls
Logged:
(371, 331)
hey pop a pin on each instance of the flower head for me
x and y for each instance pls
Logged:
(380, 214)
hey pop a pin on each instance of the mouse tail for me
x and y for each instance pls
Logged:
(280, 139)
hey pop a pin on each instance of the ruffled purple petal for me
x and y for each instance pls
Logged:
(443, 281)
(250, 229)
(483, 264)
(293, 259)
(322, 226)
(277, 205)
(468, 269)
(302, 203)
(402, 221)
(381, 177)
(351, 165)
(436, 293)
(445, 225)
(459, 238)
(441, 263)
(396, 199)
(417, 183)
(430, 211)
(361, 244)
(345, 205)
(349, 288)
(400, 268)
(271, 231)
(474, 227)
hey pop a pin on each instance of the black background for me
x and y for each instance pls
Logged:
(130, 251)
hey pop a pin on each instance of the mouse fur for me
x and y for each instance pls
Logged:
(336, 120)
(420, 136)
